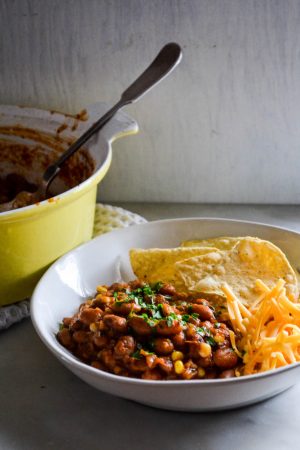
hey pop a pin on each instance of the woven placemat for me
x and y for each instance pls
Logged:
(107, 218)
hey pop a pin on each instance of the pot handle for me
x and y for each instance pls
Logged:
(119, 125)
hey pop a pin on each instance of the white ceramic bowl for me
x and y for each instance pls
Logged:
(75, 276)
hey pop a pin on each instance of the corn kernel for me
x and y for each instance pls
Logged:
(177, 355)
(179, 367)
(219, 338)
(101, 289)
(237, 373)
(93, 327)
(201, 372)
(205, 350)
(104, 299)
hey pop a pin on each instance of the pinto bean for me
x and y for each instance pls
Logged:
(118, 287)
(137, 365)
(191, 332)
(136, 284)
(100, 341)
(163, 328)
(116, 323)
(167, 289)
(208, 325)
(190, 370)
(90, 315)
(167, 309)
(181, 296)
(67, 321)
(151, 361)
(140, 326)
(106, 356)
(179, 339)
(165, 364)
(194, 349)
(124, 346)
(206, 362)
(225, 358)
(65, 338)
(81, 336)
(163, 346)
(86, 350)
(195, 321)
(204, 311)
(101, 325)
(200, 301)
(76, 324)
(125, 308)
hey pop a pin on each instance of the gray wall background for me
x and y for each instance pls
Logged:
(225, 127)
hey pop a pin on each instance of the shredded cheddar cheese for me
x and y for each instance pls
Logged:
(269, 330)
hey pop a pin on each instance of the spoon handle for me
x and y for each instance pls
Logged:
(166, 60)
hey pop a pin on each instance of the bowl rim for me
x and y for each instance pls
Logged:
(66, 356)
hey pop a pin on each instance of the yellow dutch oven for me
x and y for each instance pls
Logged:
(31, 238)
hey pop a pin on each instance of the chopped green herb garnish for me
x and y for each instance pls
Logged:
(185, 317)
(148, 319)
(206, 334)
(157, 286)
(210, 340)
(157, 315)
(134, 292)
(170, 319)
(151, 322)
(147, 290)
(201, 331)
(136, 354)
(195, 315)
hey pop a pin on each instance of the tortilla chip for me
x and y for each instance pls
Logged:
(158, 264)
(221, 243)
(240, 266)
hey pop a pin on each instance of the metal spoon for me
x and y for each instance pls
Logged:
(166, 60)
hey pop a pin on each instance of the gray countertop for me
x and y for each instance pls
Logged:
(44, 406)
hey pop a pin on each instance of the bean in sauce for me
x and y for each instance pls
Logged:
(151, 332)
